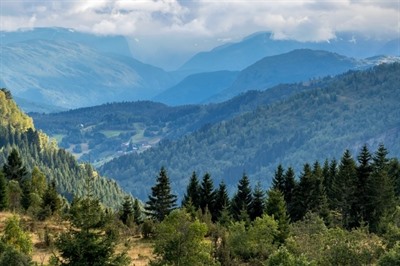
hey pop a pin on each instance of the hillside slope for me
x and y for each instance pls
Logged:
(35, 149)
(70, 75)
(348, 111)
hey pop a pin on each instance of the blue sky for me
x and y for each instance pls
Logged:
(179, 28)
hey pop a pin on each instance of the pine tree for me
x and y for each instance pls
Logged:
(381, 192)
(51, 203)
(221, 201)
(344, 188)
(278, 182)
(14, 168)
(364, 171)
(290, 186)
(242, 199)
(3, 192)
(276, 207)
(192, 192)
(257, 205)
(161, 201)
(126, 210)
(137, 212)
(207, 194)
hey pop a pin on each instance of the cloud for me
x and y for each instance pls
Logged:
(192, 25)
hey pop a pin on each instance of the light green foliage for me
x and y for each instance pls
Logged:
(276, 207)
(282, 257)
(180, 241)
(15, 237)
(392, 257)
(334, 246)
(254, 242)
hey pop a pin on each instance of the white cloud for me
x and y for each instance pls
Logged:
(180, 24)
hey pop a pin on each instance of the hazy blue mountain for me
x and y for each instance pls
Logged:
(109, 44)
(197, 88)
(343, 112)
(69, 74)
(237, 56)
(295, 66)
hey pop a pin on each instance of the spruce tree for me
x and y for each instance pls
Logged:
(242, 199)
(278, 182)
(290, 185)
(221, 201)
(344, 189)
(3, 192)
(14, 168)
(126, 210)
(207, 194)
(364, 171)
(381, 192)
(192, 192)
(276, 207)
(137, 212)
(257, 205)
(161, 201)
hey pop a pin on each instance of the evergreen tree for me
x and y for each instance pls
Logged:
(3, 192)
(221, 201)
(207, 194)
(381, 192)
(26, 194)
(364, 170)
(328, 182)
(94, 243)
(51, 203)
(127, 210)
(278, 182)
(14, 168)
(276, 207)
(290, 185)
(137, 212)
(242, 199)
(161, 201)
(344, 188)
(257, 205)
(38, 182)
(192, 192)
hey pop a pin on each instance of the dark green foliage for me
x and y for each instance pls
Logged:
(192, 192)
(14, 168)
(278, 182)
(161, 201)
(344, 188)
(381, 192)
(3, 192)
(11, 256)
(51, 200)
(126, 210)
(342, 112)
(257, 205)
(241, 201)
(207, 193)
(289, 188)
(137, 212)
(93, 243)
(276, 208)
(221, 201)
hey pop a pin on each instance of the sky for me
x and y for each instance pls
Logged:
(161, 31)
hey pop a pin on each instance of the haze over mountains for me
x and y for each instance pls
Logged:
(50, 69)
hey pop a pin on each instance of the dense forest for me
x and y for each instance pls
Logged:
(36, 151)
(343, 113)
(112, 129)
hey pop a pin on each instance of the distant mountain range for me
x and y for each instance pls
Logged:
(69, 75)
(237, 56)
(53, 69)
(337, 113)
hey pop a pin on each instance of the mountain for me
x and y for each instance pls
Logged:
(237, 56)
(115, 44)
(197, 88)
(343, 112)
(100, 133)
(37, 150)
(69, 74)
(295, 66)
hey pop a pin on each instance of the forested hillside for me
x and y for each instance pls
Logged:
(350, 110)
(36, 150)
(106, 131)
